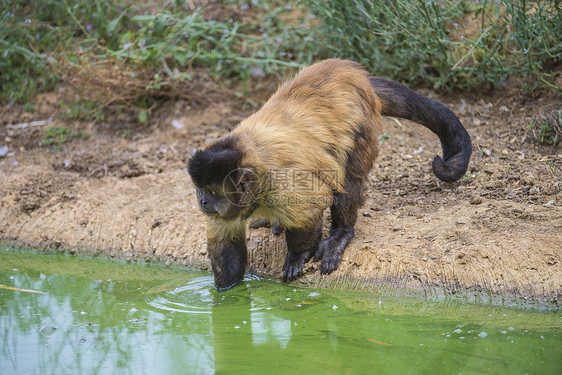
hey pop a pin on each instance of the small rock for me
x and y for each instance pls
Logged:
(3, 151)
(367, 214)
(256, 72)
(475, 199)
(476, 121)
(462, 107)
(177, 124)
(461, 221)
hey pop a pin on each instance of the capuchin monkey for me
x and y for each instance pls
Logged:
(311, 146)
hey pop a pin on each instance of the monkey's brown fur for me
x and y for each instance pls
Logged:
(313, 123)
(324, 123)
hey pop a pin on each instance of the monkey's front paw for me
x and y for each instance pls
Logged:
(330, 251)
(292, 272)
(322, 250)
(294, 263)
(330, 256)
(329, 264)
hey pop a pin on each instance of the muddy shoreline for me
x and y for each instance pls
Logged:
(387, 285)
(124, 192)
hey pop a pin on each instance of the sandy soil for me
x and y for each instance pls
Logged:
(124, 192)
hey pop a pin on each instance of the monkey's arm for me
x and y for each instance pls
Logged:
(302, 244)
(226, 248)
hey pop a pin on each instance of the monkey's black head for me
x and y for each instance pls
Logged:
(221, 186)
(214, 164)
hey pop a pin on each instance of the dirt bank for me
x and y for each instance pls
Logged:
(124, 190)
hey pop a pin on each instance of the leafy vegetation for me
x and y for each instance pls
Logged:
(28, 107)
(43, 41)
(447, 43)
(58, 135)
(162, 48)
(383, 137)
(549, 129)
(82, 109)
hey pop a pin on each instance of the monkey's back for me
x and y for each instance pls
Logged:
(316, 120)
(322, 122)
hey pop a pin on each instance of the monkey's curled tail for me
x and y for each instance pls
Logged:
(400, 101)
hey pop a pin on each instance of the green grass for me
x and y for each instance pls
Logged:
(81, 109)
(41, 39)
(56, 136)
(383, 137)
(447, 44)
(28, 107)
(434, 43)
(549, 130)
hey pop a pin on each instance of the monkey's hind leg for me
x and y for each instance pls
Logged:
(344, 215)
(302, 244)
(264, 223)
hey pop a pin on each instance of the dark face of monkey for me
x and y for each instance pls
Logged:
(211, 202)
(223, 189)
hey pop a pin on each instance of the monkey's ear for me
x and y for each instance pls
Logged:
(194, 152)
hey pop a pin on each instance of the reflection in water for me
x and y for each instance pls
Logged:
(103, 317)
(273, 329)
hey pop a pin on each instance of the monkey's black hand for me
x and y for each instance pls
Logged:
(330, 256)
(294, 263)
(332, 248)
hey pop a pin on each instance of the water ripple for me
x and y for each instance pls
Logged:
(196, 297)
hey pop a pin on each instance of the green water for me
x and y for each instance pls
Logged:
(107, 317)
